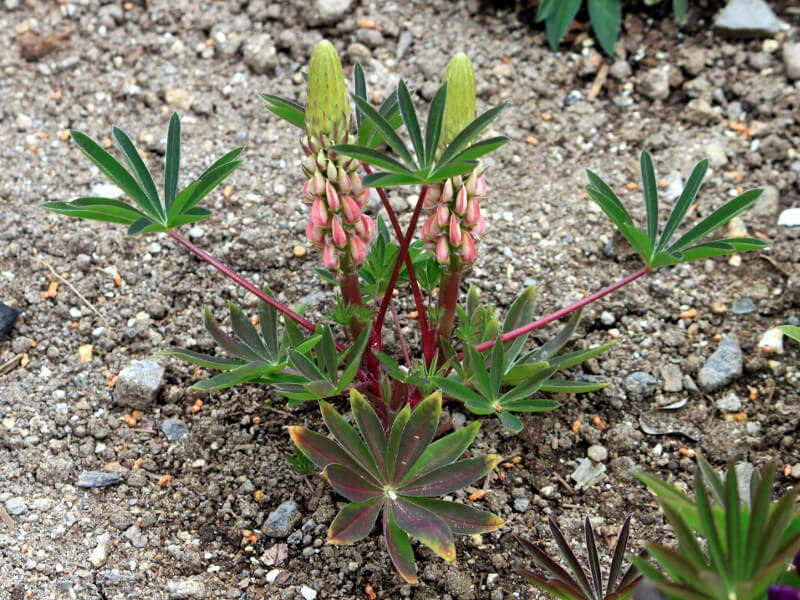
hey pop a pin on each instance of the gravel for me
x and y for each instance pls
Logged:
(138, 384)
(723, 366)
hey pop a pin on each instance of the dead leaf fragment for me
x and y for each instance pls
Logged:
(85, 352)
(275, 555)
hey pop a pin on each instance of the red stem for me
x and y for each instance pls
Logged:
(400, 334)
(564, 311)
(402, 256)
(427, 337)
(227, 271)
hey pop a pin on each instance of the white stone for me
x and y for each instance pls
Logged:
(790, 217)
(106, 190)
(772, 341)
(308, 593)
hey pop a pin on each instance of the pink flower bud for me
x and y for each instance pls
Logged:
(319, 213)
(473, 212)
(455, 231)
(329, 257)
(430, 230)
(434, 193)
(369, 229)
(333, 197)
(363, 197)
(461, 200)
(480, 186)
(442, 215)
(322, 162)
(338, 236)
(355, 183)
(310, 165)
(331, 171)
(344, 182)
(358, 252)
(307, 196)
(443, 251)
(447, 192)
(468, 253)
(470, 183)
(315, 233)
(350, 209)
(480, 227)
(319, 183)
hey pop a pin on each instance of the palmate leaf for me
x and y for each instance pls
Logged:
(606, 16)
(149, 213)
(658, 252)
(577, 583)
(792, 331)
(365, 465)
(256, 358)
(558, 18)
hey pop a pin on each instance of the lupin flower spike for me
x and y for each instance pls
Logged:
(328, 108)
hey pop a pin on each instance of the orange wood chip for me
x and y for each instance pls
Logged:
(531, 140)
(631, 186)
(198, 404)
(479, 495)
(739, 127)
(413, 314)
(129, 420)
(688, 452)
(107, 143)
(367, 24)
(136, 464)
(576, 426)
(42, 135)
(164, 480)
(516, 460)
(753, 392)
(370, 592)
(112, 380)
(250, 535)
(545, 116)
(257, 495)
(56, 95)
(688, 314)
(257, 420)
(227, 192)
(23, 362)
(117, 279)
(662, 183)
(501, 475)
(787, 470)
(65, 135)
(25, 547)
(598, 422)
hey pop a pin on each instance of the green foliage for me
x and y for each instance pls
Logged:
(659, 252)
(506, 382)
(300, 462)
(747, 543)
(419, 165)
(578, 585)
(150, 214)
(605, 15)
(792, 331)
(398, 472)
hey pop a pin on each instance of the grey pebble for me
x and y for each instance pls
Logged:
(729, 403)
(521, 504)
(673, 379)
(186, 589)
(8, 316)
(328, 12)
(597, 453)
(138, 384)
(607, 318)
(403, 44)
(280, 521)
(89, 479)
(791, 60)
(136, 537)
(174, 430)
(723, 366)
(747, 19)
(743, 306)
(16, 506)
(639, 385)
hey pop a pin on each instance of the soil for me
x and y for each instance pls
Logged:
(175, 526)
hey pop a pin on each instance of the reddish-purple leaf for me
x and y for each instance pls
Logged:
(350, 485)
(443, 451)
(460, 518)
(348, 438)
(354, 522)
(544, 561)
(418, 433)
(557, 588)
(323, 451)
(399, 547)
(422, 524)
(395, 435)
(370, 426)
(450, 478)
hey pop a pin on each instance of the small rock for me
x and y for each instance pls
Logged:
(138, 384)
(607, 318)
(280, 521)
(772, 341)
(99, 555)
(640, 385)
(8, 316)
(328, 12)
(789, 217)
(597, 453)
(694, 61)
(403, 44)
(136, 537)
(791, 60)
(767, 205)
(196, 232)
(459, 584)
(743, 306)
(774, 147)
(24, 122)
(587, 473)
(179, 98)
(260, 54)
(188, 589)
(174, 430)
(747, 19)
(90, 479)
(654, 84)
(308, 593)
(729, 403)
(16, 506)
(723, 366)
(106, 190)
(716, 155)
(621, 69)
(796, 471)
(699, 112)
(359, 52)
(521, 504)
(673, 379)
(112, 12)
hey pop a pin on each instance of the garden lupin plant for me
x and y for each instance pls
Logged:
(395, 461)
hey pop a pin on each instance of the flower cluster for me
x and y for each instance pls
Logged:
(333, 189)
(336, 196)
(455, 222)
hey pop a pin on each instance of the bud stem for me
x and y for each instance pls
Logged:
(448, 300)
